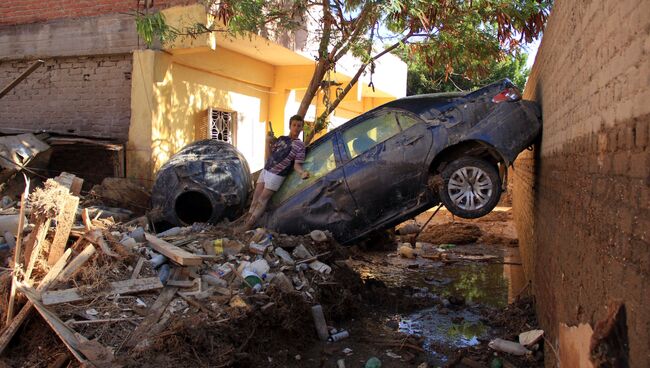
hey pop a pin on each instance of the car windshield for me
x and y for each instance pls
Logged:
(319, 160)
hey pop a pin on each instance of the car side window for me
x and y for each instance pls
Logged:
(319, 161)
(366, 134)
(406, 121)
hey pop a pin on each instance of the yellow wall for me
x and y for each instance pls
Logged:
(170, 102)
(171, 94)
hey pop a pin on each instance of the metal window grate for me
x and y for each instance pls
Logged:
(222, 125)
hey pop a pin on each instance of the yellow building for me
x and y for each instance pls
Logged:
(217, 87)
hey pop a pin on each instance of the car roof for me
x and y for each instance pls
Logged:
(421, 105)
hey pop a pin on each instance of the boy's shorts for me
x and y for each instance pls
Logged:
(271, 181)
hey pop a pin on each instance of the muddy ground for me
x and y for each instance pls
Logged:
(440, 308)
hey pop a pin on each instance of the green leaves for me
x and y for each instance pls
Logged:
(152, 27)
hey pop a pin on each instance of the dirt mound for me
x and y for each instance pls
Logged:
(451, 233)
(497, 240)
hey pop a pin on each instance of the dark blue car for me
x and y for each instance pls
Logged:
(404, 157)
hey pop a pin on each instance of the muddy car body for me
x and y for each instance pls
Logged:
(404, 157)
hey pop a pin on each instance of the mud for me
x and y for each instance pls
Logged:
(404, 311)
(454, 233)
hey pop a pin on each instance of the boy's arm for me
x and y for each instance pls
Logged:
(298, 167)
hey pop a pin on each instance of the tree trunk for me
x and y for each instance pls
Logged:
(312, 88)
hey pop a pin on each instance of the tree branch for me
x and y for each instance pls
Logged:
(355, 79)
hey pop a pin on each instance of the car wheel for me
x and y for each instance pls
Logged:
(471, 187)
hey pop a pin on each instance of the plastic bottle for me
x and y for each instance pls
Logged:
(285, 256)
(339, 336)
(163, 273)
(260, 267)
(212, 278)
(319, 322)
(138, 234)
(509, 347)
(320, 267)
(373, 362)
(157, 260)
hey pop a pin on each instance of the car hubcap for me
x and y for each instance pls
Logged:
(470, 188)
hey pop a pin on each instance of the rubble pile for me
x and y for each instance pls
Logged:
(119, 293)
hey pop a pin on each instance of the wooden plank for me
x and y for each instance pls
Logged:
(75, 188)
(21, 77)
(84, 350)
(19, 239)
(86, 219)
(71, 182)
(64, 222)
(97, 237)
(137, 269)
(173, 252)
(181, 283)
(34, 243)
(64, 333)
(155, 311)
(54, 272)
(76, 263)
(118, 287)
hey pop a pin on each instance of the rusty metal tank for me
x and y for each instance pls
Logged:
(206, 181)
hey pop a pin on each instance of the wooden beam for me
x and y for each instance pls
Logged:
(84, 350)
(155, 311)
(173, 252)
(137, 269)
(35, 244)
(96, 236)
(76, 263)
(19, 239)
(118, 287)
(71, 182)
(75, 188)
(54, 272)
(21, 77)
(64, 222)
(86, 219)
(181, 283)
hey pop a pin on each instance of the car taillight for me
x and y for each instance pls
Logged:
(508, 94)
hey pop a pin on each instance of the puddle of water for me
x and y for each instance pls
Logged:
(446, 330)
(489, 284)
(478, 283)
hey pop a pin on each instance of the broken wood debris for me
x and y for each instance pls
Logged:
(173, 252)
(119, 287)
(103, 275)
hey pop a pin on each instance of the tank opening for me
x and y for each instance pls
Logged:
(192, 206)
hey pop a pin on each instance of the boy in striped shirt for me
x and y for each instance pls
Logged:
(285, 153)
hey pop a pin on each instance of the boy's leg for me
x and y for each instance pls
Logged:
(262, 201)
(259, 187)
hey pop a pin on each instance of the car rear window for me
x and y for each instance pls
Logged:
(366, 134)
(319, 161)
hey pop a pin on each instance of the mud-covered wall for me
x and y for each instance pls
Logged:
(582, 197)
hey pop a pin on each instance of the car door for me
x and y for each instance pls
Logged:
(378, 175)
(414, 142)
(321, 202)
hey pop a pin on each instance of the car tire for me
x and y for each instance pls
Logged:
(471, 187)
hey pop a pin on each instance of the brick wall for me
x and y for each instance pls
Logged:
(582, 198)
(82, 95)
(30, 11)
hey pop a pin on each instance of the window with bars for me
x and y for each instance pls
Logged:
(222, 125)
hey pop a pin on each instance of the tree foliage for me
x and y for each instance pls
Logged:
(441, 34)
(424, 79)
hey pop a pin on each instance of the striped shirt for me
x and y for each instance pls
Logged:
(284, 152)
